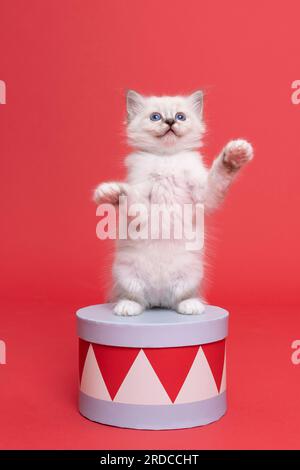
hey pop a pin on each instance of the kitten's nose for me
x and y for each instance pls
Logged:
(170, 121)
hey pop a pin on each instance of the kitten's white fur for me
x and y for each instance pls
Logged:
(166, 168)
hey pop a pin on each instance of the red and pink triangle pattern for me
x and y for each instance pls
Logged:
(152, 375)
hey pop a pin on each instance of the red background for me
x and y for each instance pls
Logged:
(66, 65)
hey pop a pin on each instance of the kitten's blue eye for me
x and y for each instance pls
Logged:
(155, 117)
(180, 117)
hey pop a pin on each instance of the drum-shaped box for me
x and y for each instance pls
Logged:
(157, 370)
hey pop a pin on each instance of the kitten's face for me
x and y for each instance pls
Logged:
(166, 124)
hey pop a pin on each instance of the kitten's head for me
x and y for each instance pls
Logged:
(165, 124)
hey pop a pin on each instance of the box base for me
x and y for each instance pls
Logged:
(156, 417)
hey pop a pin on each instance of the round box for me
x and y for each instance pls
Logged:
(157, 370)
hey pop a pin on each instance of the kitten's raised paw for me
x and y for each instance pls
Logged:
(237, 153)
(190, 307)
(107, 193)
(128, 308)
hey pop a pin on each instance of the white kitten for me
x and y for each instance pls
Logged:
(167, 169)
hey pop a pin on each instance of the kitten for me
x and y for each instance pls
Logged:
(166, 168)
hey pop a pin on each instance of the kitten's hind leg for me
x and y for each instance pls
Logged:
(184, 293)
(128, 308)
(192, 306)
(130, 295)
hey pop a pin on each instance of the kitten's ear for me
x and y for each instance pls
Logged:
(134, 103)
(197, 101)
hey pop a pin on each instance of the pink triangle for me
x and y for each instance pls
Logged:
(141, 385)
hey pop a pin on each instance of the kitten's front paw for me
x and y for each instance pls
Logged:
(237, 153)
(190, 307)
(107, 193)
(128, 308)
